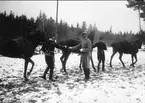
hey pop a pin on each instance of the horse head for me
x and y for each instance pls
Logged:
(139, 43)
(37, 36)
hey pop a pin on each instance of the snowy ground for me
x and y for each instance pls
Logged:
(116, 85)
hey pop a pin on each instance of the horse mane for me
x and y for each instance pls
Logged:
(69, 42)
(91, 36)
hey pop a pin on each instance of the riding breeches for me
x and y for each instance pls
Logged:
(101, 56)
(49, 61)
(50, 65)
(85, 61)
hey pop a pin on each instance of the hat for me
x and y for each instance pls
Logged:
(84, 32)
(53, 34)
(100, 38)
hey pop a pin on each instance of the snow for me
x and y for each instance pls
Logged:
(116, 85)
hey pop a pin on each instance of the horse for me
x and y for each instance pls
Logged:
(22, 47)
(65, 53)
(127, 48)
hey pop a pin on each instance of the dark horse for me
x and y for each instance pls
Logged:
(127, 48)
(66, 53)
(23, 47)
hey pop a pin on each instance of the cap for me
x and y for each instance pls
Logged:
(83, 33)
(54, 34)
(100, 38)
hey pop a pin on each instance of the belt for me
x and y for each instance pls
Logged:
(100, 51)
(49, 53)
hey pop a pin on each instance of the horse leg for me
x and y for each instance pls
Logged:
(103, 65)
(64, 62)
(132, 60)
(30, 60)
(135, 60)
(62, 59)
(114, 52)
(120, 58)
(80, 65)
(25, 69)
(93, 64)
(99, 65)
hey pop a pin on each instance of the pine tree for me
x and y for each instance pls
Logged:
(140, 6)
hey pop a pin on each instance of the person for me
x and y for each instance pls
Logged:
(49, 48)
(85, 48)
(100, 53)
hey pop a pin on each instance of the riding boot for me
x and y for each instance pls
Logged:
(45, 72)
(98, 67)
(88, 73)
(51, 74)
(103, 67)
(85, 72)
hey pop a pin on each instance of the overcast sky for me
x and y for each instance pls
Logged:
(102, 13)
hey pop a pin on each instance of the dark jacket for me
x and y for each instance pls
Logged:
(101, 46)
(49, 46)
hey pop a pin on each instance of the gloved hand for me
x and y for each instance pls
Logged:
(64, 47)
(81, 50)
(69, 49)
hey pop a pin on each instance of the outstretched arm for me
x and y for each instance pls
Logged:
(59, 46)
(76, 47)
(95, 45)
(42, 48)
(105, 47)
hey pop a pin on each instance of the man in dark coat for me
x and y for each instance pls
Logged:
(100, 53)
(49, 49)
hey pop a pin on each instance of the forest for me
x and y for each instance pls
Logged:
(116, 85)
(13, 26)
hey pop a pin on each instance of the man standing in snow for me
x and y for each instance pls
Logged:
(48, 48)
(100, 53)
(85, 48)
